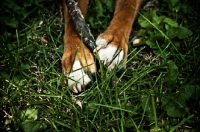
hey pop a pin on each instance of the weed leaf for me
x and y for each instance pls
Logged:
(170, 22)
(174, 105)
(109, 4)
(172, 73)
(11, 22)
(28, 114)
(184, 32)
(99, 8)
(174, 2)
(143, 23)
(25, 67)
(33, 126)
(188, 91)
(28, 48)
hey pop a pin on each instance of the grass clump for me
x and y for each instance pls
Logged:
(158, 91)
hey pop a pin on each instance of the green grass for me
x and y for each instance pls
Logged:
(158, 91)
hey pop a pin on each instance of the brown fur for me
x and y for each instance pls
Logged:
(116, 34)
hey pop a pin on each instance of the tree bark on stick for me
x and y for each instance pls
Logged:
(80, 24)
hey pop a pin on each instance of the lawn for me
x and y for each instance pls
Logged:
(158, 91)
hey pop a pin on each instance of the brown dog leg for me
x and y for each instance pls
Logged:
(115, 39)
(77, 59)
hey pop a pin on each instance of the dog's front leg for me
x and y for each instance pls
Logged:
(112, 44)
(77, 60)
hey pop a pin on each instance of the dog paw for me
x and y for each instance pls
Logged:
(76, 69)
(77, 79)
(111, 50)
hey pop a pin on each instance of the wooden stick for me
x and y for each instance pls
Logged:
(80, 24)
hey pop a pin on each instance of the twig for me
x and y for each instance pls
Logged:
(80, 24)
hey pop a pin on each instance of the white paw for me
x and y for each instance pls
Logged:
(77, 78)
(109, 54)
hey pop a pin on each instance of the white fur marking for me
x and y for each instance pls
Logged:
(117, 60)
(74, 89)
(101, 41)
(78, 86)
(77, 77)
(106, 54)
